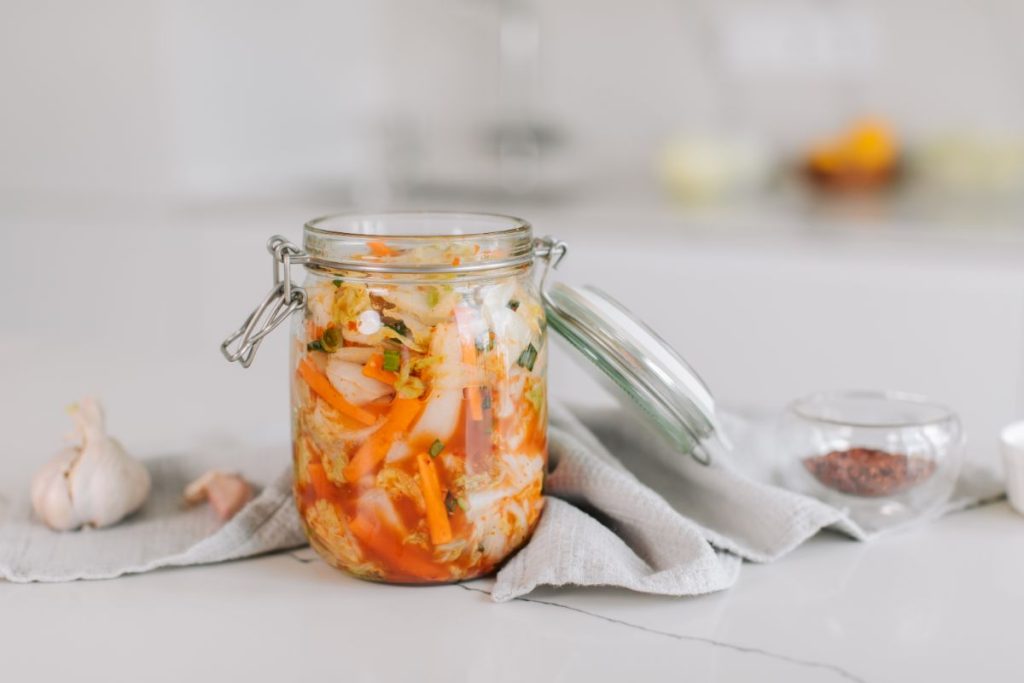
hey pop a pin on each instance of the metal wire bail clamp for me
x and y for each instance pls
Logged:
(551, 250)
(280, 302)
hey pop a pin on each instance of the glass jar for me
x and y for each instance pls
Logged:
(883, 457)
(419, 397)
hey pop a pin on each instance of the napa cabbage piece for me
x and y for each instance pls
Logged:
(330, 530)
(535, 394)
(332, 435)
(426, 304)
(350, 299)
(399, 484)
(352, 384)
(320, 304)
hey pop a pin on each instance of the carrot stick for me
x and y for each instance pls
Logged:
(475, 403)
(321, 484)
(375, 448)
(380, 249)
(464, 321)
(398, 557)
(313, 331)
(437, 517)
(322, 387)
(374, 370)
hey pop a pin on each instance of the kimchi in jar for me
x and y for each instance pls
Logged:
(419, 398)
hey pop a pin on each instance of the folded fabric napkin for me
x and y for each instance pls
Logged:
(621, 510)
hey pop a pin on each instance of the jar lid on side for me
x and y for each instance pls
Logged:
(647, 372)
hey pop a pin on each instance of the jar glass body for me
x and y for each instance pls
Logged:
(419, 411)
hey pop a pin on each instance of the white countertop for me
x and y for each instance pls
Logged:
(140, 329)
(934, 605)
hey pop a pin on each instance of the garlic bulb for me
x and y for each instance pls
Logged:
(94, 483)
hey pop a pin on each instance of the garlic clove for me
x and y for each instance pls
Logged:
(195, 492)
(51, 498)
(228, 495)
(96, 483)
(227, 492)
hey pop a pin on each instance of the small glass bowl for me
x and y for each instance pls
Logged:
(883, 457)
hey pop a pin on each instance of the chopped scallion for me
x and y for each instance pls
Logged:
(514, 305)
(314, 345)
(433, 297)
(436, 448)
(330, 340)
(528, 357)
(397, 325)
(392, 360)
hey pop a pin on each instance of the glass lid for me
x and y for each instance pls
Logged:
(648, 373)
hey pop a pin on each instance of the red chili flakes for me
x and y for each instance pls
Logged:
(456, 261)
(869, 472)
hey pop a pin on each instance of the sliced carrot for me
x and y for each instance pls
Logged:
(374, 369)
(375, 448)
(474, 403)
(321, 484)
(399, 558)
(437, 517)
(464, 321)
(313, 331)
(380, 249)
(322, 387)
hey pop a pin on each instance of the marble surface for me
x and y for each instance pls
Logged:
(134, 312)
(936, 605)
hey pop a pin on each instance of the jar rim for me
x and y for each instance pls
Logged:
(341, 241)
(517, 226)
(822, 407)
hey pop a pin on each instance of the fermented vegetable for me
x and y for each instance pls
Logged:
(420, 418)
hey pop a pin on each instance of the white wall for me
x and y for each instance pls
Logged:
(187, 99)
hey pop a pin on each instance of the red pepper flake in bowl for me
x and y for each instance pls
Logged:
(869, 472)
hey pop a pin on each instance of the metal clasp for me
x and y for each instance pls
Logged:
(280, 302)
(551, 250)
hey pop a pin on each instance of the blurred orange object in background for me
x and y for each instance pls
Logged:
(866, 156)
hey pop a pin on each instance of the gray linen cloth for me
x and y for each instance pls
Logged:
(164, 533)
(622, 510)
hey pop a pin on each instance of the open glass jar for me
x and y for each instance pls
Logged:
(419, 398)
(419, 392)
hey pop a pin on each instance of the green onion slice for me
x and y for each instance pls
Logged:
(392, 360)
(528, 357)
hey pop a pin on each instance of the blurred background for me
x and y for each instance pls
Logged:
(798, 194)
